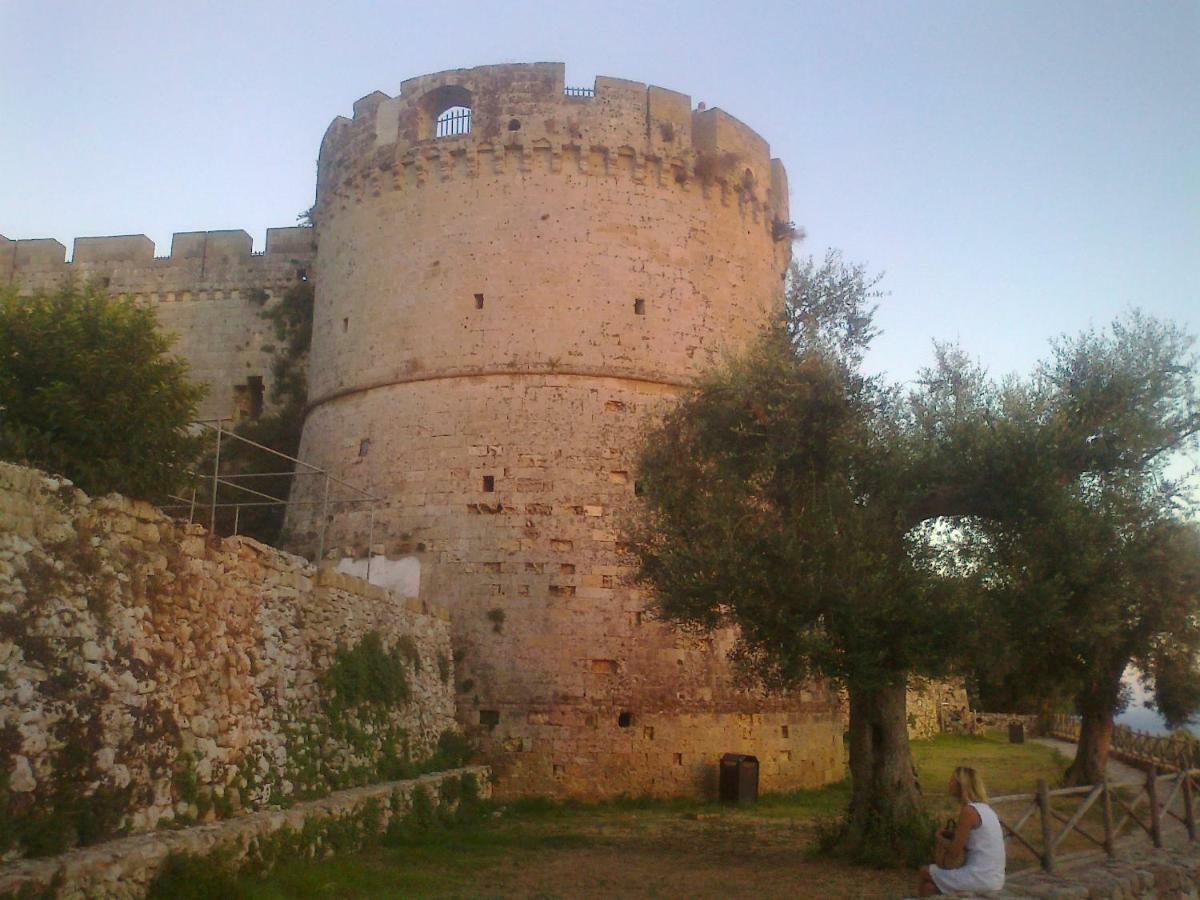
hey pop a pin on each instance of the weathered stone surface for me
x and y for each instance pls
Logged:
(497, 314)
(1140, 874)
(208, 293)
(162, 681)
(124, 868)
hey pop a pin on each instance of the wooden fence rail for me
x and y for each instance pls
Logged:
(1145, 804)
(1138, 747)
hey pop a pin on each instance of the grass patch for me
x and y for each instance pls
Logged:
(635, 847)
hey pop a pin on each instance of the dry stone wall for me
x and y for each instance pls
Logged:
(126, 868)
(150, 674)
(209, 293)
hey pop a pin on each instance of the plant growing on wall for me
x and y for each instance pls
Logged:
(88, 390)
(279, 428)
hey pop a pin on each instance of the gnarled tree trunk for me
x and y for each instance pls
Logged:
(885, 796)
(1096, 705)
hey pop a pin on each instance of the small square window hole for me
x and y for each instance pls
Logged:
(639, 307)
(489, 483)
(479, 301)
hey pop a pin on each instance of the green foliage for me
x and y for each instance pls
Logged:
(368, 674)
(454, 749)
(408, 649)
(779, 495)
(67, 811)
(88, 390)
(1077, 536)
(219, 875)
(189, 877)
(279, 429)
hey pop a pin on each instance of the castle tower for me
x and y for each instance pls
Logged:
(511, 276)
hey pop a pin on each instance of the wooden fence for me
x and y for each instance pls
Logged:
(1148, 805)
(1165, 751)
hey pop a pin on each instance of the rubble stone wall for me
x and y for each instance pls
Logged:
(125, 868)
(938, 707)
(149, 674)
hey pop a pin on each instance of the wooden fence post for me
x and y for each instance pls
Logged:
(1155, 812)
(1189, 805)
(1043, 799)
(1106, 805)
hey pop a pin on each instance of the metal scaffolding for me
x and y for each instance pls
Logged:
(206, 489)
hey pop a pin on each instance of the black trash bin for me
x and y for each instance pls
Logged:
(1016, 732)
(739, 778)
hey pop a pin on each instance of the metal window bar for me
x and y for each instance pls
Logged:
(260, 499)
(453, 122)
(579, 92)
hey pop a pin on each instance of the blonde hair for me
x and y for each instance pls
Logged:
(970, 785)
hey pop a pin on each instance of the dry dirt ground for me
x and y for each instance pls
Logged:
(722, 858)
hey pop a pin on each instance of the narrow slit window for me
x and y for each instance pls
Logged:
(345, 325)
(639, 307)
(479, 301)
(489, 483)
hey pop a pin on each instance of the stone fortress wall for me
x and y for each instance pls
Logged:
(208, 293)
(150, 674)
(497, 314)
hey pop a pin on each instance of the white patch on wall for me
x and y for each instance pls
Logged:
(400, 576)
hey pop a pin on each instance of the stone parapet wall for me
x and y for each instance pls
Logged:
(125, 868)
(151, 674)
(985, 721)
(208, 293)
(1146, 874)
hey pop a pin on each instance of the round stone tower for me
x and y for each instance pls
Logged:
(511, 276)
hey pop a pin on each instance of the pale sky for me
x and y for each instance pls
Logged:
(1017, 169)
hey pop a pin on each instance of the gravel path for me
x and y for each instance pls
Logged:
(1117, 770)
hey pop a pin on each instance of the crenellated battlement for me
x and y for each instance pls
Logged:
(46, 256)
(209, 293)
(522, 113)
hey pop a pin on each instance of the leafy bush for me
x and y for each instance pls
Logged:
(88, 391)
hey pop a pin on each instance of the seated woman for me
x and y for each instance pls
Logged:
(978, 832)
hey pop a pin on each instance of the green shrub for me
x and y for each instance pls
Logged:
(188, 877)
(366, 673)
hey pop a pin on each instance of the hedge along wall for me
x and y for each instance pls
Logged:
(150, 675)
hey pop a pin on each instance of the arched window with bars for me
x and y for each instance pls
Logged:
(453, 122)
(446, 112)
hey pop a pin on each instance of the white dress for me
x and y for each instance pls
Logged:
(984, 868)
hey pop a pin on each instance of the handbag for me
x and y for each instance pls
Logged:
(943, 840)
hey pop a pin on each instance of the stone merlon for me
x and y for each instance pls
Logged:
(530, 106)
(41, 254)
